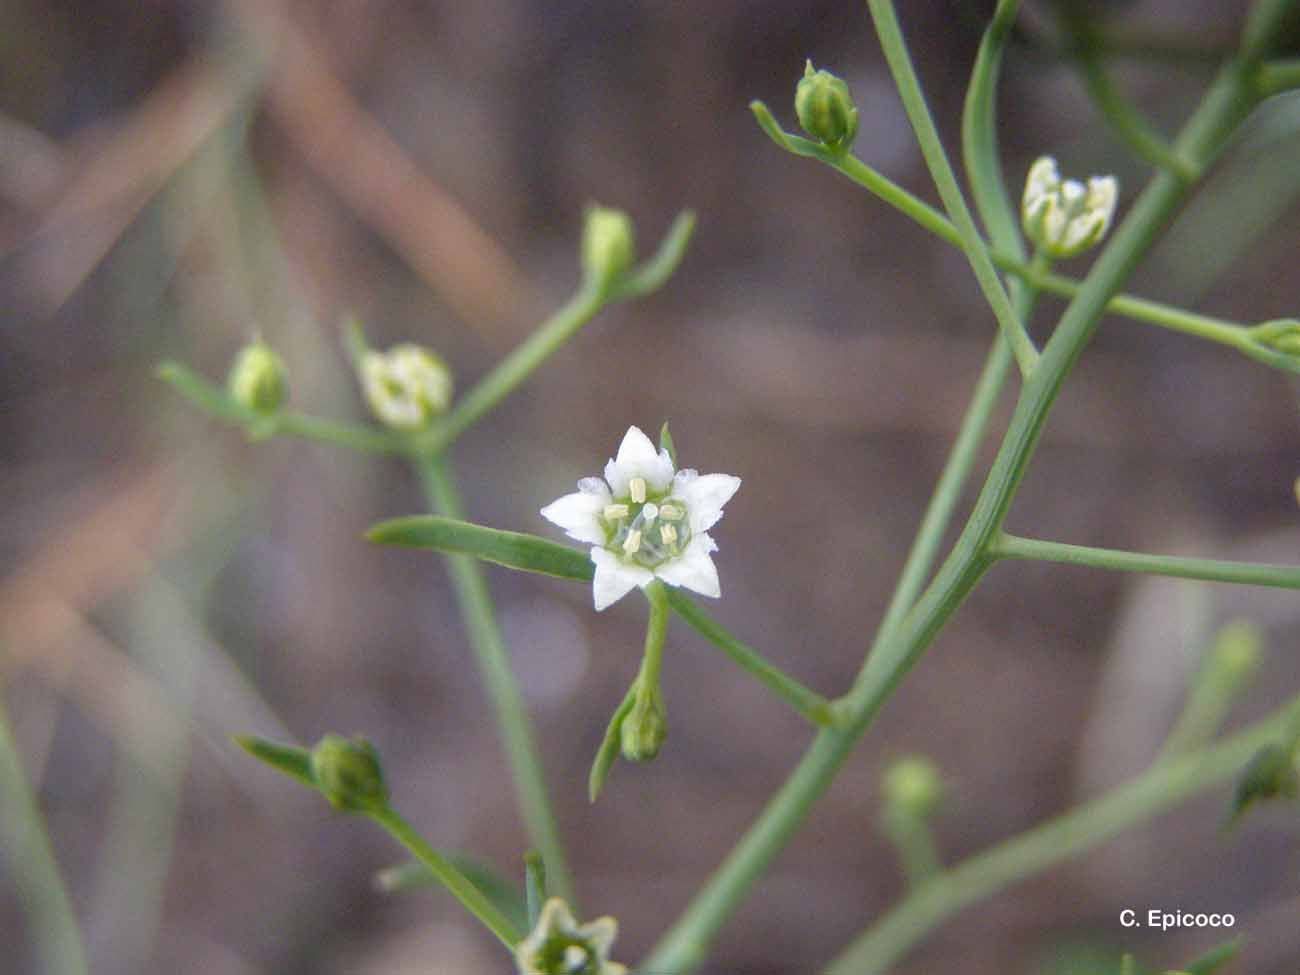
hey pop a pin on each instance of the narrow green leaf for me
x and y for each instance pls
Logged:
(651, 275)
(609, 746)
(293, 761)
(1215, 958)
(500, 892)
(666, 442)
(514, 550)
(534, 886)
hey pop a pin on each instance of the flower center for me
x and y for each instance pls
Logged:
(646, 528)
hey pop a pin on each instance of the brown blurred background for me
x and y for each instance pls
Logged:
(177, 175)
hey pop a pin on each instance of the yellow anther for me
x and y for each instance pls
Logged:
(613, 512)
(637, 487)
(632, 544)
(668, 533)
(671, 512)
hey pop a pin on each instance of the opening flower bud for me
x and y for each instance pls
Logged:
(257, 378)
(1065, 217)
(407, 386)
(559, 945)
(608, 244)
(825, 108)
(645, 727)
(913, 787)
(348, 774)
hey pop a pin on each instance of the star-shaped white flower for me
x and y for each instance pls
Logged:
(558, 945)
(646, 521)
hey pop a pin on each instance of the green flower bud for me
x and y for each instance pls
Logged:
(646, 726)
(913, 787)
(1236, 652)
(257, 379)
(608, 244)
(559, 945)
(348, 774)
(1270, 774)
(407, 386)
(825, 108)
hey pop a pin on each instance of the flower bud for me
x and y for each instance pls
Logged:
(407, 386)
(825, 108)
(1236, 652)
(257, 379)
(608, 244)
(1065, 218)
(559, 945)
(348, 774)
(913, 787)
(646, 726)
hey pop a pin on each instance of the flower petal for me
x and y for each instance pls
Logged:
(615, 578)
(576, 513)
(693, 569)
(637, 458)
(704, 496)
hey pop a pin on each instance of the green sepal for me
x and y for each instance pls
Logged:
(610, 746)
(514, 550)
(500, 892)
(666, 442)
(534, 887)
(293, 761)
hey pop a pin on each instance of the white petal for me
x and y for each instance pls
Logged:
(576, 514)
(704, 496)
(637, 458)
(615, 578)
(693, 569)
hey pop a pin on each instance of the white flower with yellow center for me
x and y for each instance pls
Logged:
(1066, 217)
(407, 386)
(646, 521)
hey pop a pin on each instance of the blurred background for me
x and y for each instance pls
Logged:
(176, 176)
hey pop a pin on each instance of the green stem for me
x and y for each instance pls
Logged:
(456, 882)
(1276, 77)
(656, 632)
(914, 843)
(507, 703)
(1132, 129)
(808, 703)
(32, 865)
(516, 367)
(1210, 570)
(686, 943)
(909, 89)
(1159, 789)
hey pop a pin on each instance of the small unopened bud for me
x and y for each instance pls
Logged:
(608, 244)
(645, 727)
(825, 108)
(1236, 652)
(348, 774)
(913, 787)
(407, 386)
(257, 378)
(1270, 774)
(1065, 217)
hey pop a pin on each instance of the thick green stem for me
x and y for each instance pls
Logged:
(1161, 788)
(686, 943)
(507, 703)
(1210, 570)
(456, 882)
(656, 632)
(914, 842)
(32, 866)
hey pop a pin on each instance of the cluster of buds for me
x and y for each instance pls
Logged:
(559, 945)
(1065, 217)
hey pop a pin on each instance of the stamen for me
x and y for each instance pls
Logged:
(637, 487)
(632, 544)
(668, 533)
(671, 512)
(615, 512)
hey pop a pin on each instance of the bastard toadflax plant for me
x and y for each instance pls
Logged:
(642, 533)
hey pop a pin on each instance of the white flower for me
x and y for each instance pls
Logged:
(558, 945)
(1065, 218)
(646, 521)
(406, 386)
